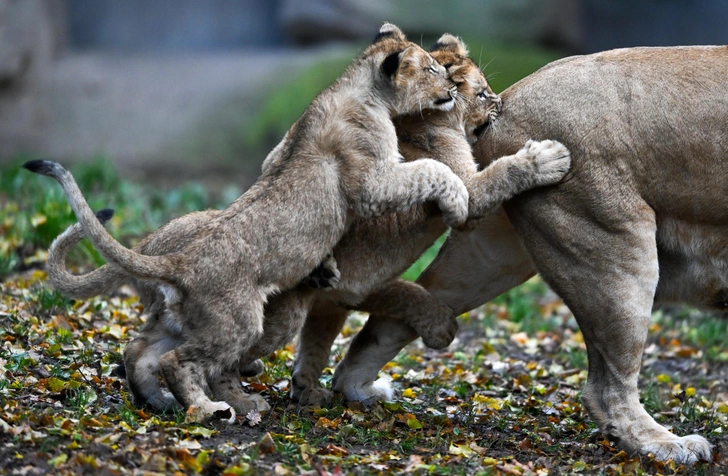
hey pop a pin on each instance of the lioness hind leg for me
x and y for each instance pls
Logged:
(607, 274)
(323, 324)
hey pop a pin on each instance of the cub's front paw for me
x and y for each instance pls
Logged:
(551, 160)
(325, 275)
(454, 207)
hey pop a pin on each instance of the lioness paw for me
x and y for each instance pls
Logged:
(683, 450)
(551, 160)
(313, 396)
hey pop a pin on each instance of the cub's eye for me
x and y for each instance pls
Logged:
(432, 69)
(482, 96)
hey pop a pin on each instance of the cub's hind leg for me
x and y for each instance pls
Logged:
(220, 330)
(323, 324)
(141, 360)
(284, 316)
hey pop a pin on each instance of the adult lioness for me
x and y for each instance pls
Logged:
(641, 217)
(338, 161)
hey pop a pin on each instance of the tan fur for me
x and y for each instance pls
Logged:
(375, 251)
(642, 217)
(338, 161)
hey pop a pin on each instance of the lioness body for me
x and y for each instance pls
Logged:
(641, 217)
(338, 161)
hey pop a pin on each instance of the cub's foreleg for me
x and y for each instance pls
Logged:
(323, 324)
(410, 183)
(537, 164)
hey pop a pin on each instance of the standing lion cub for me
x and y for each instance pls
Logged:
(338, 161)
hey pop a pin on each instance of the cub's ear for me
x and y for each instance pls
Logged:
(391, 64)
(450, 43)
(389, 30)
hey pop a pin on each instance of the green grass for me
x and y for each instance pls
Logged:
(34, 210)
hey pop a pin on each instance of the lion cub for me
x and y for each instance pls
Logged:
(338, 161)
(375, 252)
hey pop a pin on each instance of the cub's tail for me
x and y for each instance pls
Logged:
(103, 280)
(151, 267)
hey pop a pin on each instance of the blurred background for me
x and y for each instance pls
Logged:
(175, 89)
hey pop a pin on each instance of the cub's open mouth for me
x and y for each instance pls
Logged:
(440, 102)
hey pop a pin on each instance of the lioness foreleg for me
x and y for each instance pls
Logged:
(379, 341)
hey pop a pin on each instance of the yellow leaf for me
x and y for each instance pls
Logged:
(58, 460)
(460, 450)
(662, 378)
(37, 220)
(55, 384)
(413, 423)
(690, 392)
(409, 393)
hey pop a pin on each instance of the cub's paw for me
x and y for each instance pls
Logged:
(437, 333)
(551, 160)
(164, 402)
(313, 396)
(367, 393)
(244, 403)
(454, 206)
(683, 450)
(207, 410)
(252, 369)
(325, 275)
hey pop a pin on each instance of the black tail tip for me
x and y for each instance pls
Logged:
(105, 215)
(43, 167)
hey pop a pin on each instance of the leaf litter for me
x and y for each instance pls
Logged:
(503, 399)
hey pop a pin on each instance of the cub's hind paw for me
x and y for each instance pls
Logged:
(252, 369)
(314, 396)
(438, 334)
(208, 410)
(325, 275)
(551, 160)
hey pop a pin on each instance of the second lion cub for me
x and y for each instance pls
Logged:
(340, 160)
